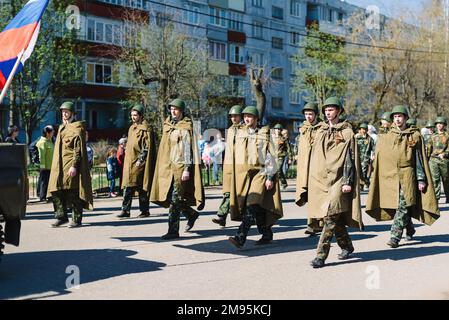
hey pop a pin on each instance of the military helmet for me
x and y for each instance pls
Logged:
(68, 105)
(399, 109)
(235, 110)
(363, 126)
(386, 116)
(137, 107)
(411, 122)
(430, 124)
(251, 110)
(332, 101)
(278, 126)
(312, 106)
(441, 120)
(178, 103)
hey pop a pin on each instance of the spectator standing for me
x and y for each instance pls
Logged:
(45, 148)
(112, 167)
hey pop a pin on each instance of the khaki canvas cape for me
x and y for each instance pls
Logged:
(306, 137)
(394, 167)
(71, 137)
(166, 171)
(247, 183)
(229, 157)
(327, 160)
(139, 136)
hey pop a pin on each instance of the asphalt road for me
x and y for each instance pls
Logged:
(126, 259)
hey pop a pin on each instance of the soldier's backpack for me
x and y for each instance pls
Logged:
(34, 152)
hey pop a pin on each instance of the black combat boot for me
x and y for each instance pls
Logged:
(60, 222)
(393, 243)
(191, 221)
(143, 215)
(235, 242)
(75, 224)
(170, 235)
(317, 263)
(345, 253)
(310, 232)
(220, 221)
(124, 214)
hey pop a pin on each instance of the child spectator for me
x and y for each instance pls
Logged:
(112, 170)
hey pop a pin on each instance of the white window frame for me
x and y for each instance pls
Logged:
(192, 17)
(237, 54)
(258, 28)
(295, 8)
(295, 37)
(216, 50)
(295, 97)
(94, 65)
(235, 21)
(99, 35)
(217, 17)
(257, 3)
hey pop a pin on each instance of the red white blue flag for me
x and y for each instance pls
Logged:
(18, 39)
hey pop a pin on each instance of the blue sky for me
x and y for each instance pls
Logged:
(392, 8)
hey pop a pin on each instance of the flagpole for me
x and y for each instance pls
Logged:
(11, 76)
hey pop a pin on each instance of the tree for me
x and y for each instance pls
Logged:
(52, 65)
(323, 66)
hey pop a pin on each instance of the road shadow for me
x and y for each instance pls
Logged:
(405, 251)
(252, 250)
(133, 221)
(51, 216)
(31, 273)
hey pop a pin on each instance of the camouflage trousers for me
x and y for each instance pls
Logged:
(279, 167)
(254, 213)
(440, 173)
(144, 202)
(402, 220)
(225, 205)
(178, 206)
(365, 164)
(63, 199)
(315, 224)
(334, 224)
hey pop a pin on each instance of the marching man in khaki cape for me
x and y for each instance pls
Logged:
(333, 182)
(70, 182)
(235, 114)
(401, 185)
(254, 187)
(304, 148)
(177, 182)
(139, 162)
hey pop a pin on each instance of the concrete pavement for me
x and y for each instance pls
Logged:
(126, 259)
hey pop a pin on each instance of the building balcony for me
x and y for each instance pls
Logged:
(106, 10)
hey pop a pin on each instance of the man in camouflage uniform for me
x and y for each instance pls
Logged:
(385, 122)
(399, 160)
(283, 150)
(235, 114)
(333, 182)
(139, 152)
(366, 148)
(438, 151)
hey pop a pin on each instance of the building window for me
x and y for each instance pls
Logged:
(277, 73)
(101, 73)
(217, 50)
(236, 54)
(295, 97)
(104, 32)
(162, 19)
(277, 13)
(276, 103)
(328, 14)
(191, 14)
(258, 30)
(257, 3)
(277, 43)
(295, 38)
(237, 87)
(340, 17)
(258, 59)
(235, 21)
(295, 8)
(217, 16)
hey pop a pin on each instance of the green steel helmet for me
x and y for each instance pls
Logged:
(441, 120)
(178, 103)
(386, 116)
(399, 109)
(235, 110)
(430, 124)
(137, 107)
(251, 110)
(68, 105)
(342, 117)
(363, 126)
(311, 106)
(411, 122)
(278, 126)
(332, 101)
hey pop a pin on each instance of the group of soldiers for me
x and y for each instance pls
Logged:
(333, 165)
